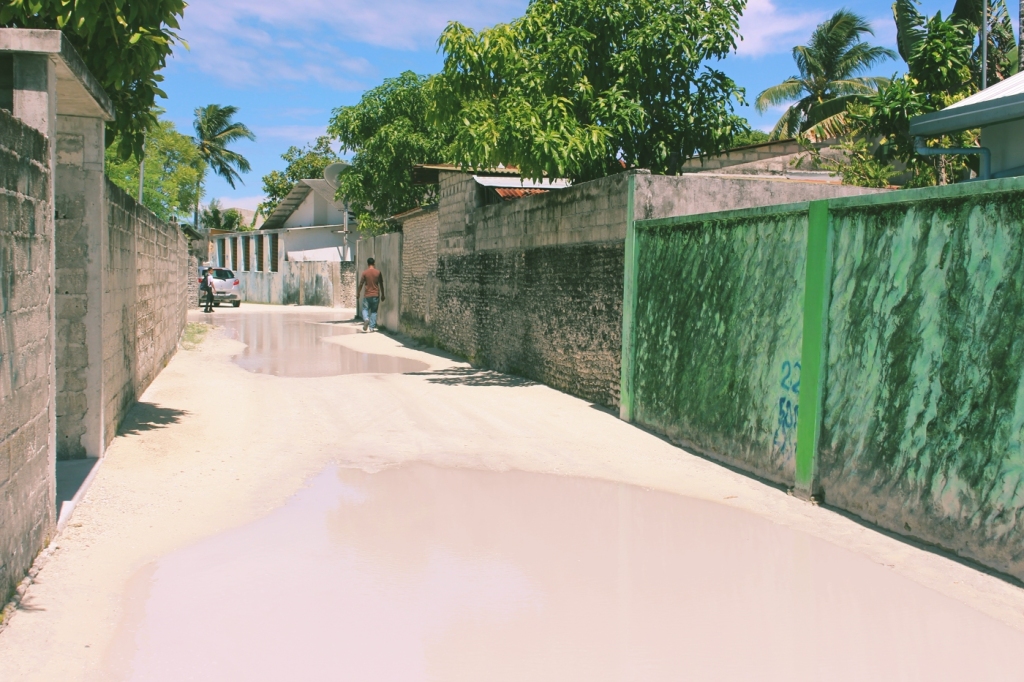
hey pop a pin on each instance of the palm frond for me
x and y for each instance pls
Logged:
(787, 91)
(910, 30)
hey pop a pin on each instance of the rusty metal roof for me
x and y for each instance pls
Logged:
(512, 193)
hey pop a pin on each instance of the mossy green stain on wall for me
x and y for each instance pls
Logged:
(718, 334)
(923, 418)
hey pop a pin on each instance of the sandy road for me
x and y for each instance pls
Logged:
(214, 447)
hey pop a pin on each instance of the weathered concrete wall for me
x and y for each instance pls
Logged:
(483, 317)
(923, 424)
(329, 284)
(144, 302)
(27, 506)
(419, 272)
(718, 335)
(549, 313)
(386, 250)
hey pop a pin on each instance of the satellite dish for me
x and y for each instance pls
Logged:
(333, 172)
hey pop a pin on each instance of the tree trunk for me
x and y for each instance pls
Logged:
(942, 170)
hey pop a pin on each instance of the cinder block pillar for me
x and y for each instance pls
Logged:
(34, 101)
(81, 252)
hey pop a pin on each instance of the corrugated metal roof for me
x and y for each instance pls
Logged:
(512, 193)
(1001, 103)
(295, 198)
(520, 183)
(1014, 85)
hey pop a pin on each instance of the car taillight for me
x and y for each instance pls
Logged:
(236, 282)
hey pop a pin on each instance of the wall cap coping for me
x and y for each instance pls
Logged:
(79, 92)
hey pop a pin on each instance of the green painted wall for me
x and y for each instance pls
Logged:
(718, 333)
(923, 419)
(918, 331)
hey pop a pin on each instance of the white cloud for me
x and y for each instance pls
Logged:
(248, 42)
(766, 29)
(245, 203)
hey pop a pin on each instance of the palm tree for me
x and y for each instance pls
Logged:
(829, 66)
(215, 130)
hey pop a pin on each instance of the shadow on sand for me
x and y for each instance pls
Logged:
(147, 417)
(472, 376)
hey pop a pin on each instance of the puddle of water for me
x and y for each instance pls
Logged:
(418, 573)
(293, 346)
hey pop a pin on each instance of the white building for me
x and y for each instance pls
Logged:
(999, 112)
(308, 225)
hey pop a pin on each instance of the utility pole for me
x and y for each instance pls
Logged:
(141, 169)
(984, 44)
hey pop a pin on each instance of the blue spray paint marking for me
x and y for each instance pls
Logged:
(784, 442)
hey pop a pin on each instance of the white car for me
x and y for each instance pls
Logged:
(225, 288)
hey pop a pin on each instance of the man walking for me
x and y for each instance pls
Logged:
(207, 288)
(374, 283)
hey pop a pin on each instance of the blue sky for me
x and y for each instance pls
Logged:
(286, 65)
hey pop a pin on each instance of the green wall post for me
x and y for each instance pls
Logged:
(812, 361)
(629, 300)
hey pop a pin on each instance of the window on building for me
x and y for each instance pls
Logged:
(234, 253)
(274, 257)
(246, 254)
(221, 253)
(7, 82)
(259, 252)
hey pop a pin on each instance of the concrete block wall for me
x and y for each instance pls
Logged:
(27, 508)
(419, 271)
(193, 282)
(145, 302)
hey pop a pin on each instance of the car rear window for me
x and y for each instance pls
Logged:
(220, 273)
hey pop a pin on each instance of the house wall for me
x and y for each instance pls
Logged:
(328, 284)
(1006, 143)
(27, 495)
(314, 238)
(315, 210)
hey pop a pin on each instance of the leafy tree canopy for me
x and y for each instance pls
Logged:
(575, 88)
(943, 67)
(828, 80)
(172, 166)
(125, 43)
(216, 218)
(303, 163)
(389, 132)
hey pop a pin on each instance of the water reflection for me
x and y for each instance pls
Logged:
(292, 346)
(419, 573)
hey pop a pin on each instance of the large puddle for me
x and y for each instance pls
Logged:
(419, 573)
(292, 346)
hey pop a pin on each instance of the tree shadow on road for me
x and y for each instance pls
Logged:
(473, 376)
(148, 417)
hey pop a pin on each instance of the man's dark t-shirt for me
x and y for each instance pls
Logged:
(371, 280)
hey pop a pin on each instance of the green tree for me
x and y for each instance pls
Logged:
(172, 167)
(124, 43)
(389, 131)
(828, 81)
(217, 218)
(215, 130)
(303, 163)
(576, 88)
(943, 67)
